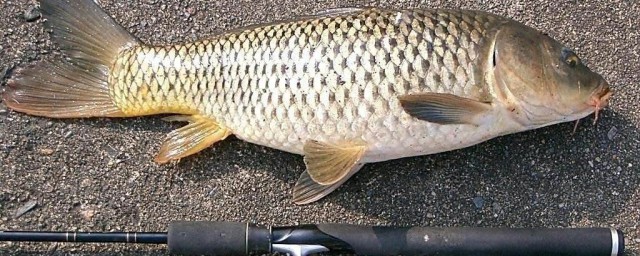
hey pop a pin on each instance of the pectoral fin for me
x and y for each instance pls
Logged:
(330, 163)
(200, 133)
(442, 108)
(307, 190)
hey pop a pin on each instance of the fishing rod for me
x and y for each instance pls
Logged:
(235, 238)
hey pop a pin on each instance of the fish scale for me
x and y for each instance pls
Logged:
(326, 78)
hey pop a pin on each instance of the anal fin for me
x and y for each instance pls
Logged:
(200, 133)
(308, 191)
(329, 163)
(328, 166)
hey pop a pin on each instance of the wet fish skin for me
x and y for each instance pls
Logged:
(343, 88)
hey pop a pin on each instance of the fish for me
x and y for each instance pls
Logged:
(343, 87)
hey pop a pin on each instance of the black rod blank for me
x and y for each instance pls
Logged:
(85, 237)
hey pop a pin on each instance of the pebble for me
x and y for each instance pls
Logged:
(113, 152)
(190, 12)
(613, 132)
(497, 207)
(478, 201)
(52, 248)
(3, 71)
(31, 14)
(25, 208)
(87, 214)
(46, 151)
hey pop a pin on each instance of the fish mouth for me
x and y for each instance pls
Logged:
(600, 98)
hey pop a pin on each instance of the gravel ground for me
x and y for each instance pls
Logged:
(98, 174)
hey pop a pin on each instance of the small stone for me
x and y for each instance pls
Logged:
(431, 216)
(113, 152)
(25, 208)
(613, 132)
(190, 12)
(46, 151)
(85, 183)
(3, 71)
(478, 201)
(52, 248)
(212, 192)
(87, 214)
(31, 14)
(134, 176)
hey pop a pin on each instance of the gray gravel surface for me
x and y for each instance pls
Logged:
(98, 174)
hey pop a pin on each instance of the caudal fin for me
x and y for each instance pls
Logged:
(77, 85)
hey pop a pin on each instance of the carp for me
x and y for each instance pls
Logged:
(343, 88)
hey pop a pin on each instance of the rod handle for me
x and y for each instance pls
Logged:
(368, 240)
(207, 238)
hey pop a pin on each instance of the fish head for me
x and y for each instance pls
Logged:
(542, 81)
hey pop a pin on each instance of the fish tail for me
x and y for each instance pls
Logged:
(76, 86)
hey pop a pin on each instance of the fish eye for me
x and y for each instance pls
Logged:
(570, 58)
(572, 61)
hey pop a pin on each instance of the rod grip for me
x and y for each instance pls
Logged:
(211, 238)
(368, 240)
